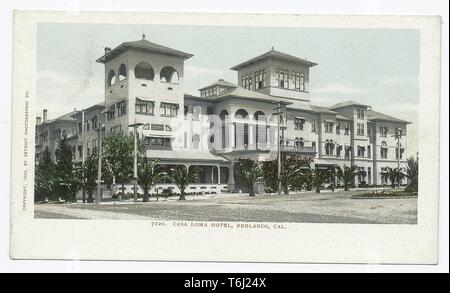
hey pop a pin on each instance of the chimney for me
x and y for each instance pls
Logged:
(107, 50)
(44, 116)
(38, 120)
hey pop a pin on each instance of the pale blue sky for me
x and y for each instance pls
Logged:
(379, 67)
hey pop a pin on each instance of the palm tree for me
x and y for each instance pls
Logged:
(182, 177)
(318, 178)
(249, 172)
(394, 174)
(346, 175)
(149, 174)
(315, 178)
(412, 173)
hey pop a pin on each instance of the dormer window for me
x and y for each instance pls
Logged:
(282, 78)
(329, 126)
(299, 81)
(247, 81)
(360, 113)
(260, 79)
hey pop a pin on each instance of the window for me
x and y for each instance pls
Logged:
(116, 128)
(111, 111)
(383, 131)
(144, 107)
(397, 152)
(210, 110)
(360, 113)
(94, 121)
(196, 111)
(88, 148)
(157, 127)
(348, 152)
(328, 126)
(260, 79)
(247, 81)
(329, 146)
(282, 78)
(94, 146)
(360, 151)
(86, 126)
(347, 129)
(196, 141)
(338, 128)
(157, 141)
(144, 71)
(299, 123)
(299, 81)
(169, 74)
(369, 153)
(338, 151)
(169, 109)
(360, 129)
(122, 72)
(121, 108)
(383, 150)
(369, 130)
(313, 144)
(313, 125)
(111, 78)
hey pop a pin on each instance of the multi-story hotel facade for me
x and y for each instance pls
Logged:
(227, 121)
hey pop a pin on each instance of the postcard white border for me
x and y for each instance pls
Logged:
(134, 240)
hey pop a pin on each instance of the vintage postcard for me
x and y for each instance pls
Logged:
(225, 137)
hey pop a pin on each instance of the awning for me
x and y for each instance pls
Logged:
(330, 121)
(300, 118)
(158, 135)
(111, 108)
(325, 163)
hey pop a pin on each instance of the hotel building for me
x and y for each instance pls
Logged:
(226, 121)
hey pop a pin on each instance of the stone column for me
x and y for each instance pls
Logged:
(231, 182)
(251, 139)
(231, 141)
(218, 174)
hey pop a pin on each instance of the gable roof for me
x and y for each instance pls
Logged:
(143, 45)
(219, 82)
(377, 116)
(275, 55)
(347, 104)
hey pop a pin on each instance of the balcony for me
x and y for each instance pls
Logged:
(298, 149)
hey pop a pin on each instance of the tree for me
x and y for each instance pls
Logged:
(117, 157)
(249, 172)
(394, 175)
(316, 178)
(291, 177)
(412, 173)
(149, 173)
(291, 172)
(346, 175)
(45, 177)
(89, 174)
(68, 181)
(182, 177)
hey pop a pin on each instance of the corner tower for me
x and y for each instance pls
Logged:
(277, 74)
(143, 84)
